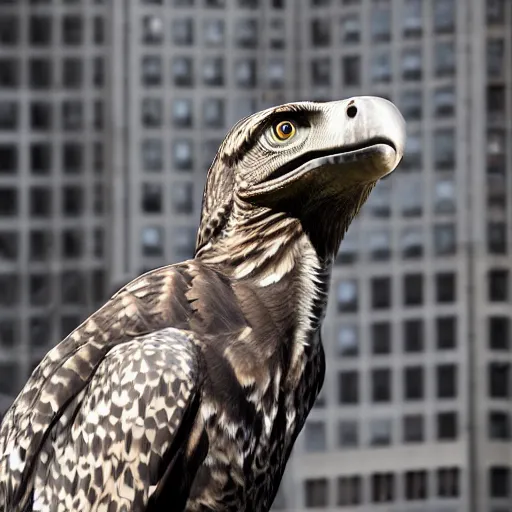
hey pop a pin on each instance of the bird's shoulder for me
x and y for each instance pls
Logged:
(186, 297)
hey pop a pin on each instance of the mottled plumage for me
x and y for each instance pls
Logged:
(187, 389)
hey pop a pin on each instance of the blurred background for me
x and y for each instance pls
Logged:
(110, 114)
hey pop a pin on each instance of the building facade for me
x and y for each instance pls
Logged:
(110, 114)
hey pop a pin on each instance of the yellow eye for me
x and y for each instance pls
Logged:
(284, 130)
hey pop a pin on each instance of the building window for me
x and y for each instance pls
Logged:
(413, 383)
(381, 338)
(245, 73)
(499, 425)
(499, 380)
(321, 72)
(416, 485)
(40, 245)
(152, 155)
(10, 286)
(413, 428)
(380, 23)
(72, 73)
(444, 239)
(413, 332)
(321, 32)
(72, 243)
(347, 341)
(380, 432)
(347, 295)
(444, 16)
(348, 387)
(412, 64)
(445, 287)
(413, 289)
(213, 33)
(444, 196)
(444, 59)
(496, 102)
(348, 434)
(409, 194)
(9, 73)
(213, 71)
(182, 73)
(72, 115)
(379, 202)
(72, 201)
(9, 332)
(348, 251)
(383, 487)
(497, 238)
(411, 104)
(413, 152)
(8, 202)
(498, 281)
(40, 289)
(72, 30)
(444, 102)
(315, 436)
(73, 289)
(351, 68)
(40, 30)
(9, 246)
(8, 115)
(412, 23)
(213, 112)
(316, 493)
(381, 67)
(9, 30)
(182, 154)
(275, 72)
(98, 72)
(381, 292)
(246, 33)
(182, 200)
(496, 152)
(444, 152)
(349, 491)
(447, 426)
(72, 158)
(40, 73)
(151, 113)
(8, 159)
(184, 242)
(499, 482)
(151, 198)
(446, 381)
(380, 245)
(350, 29)
(495, 12)
(381, 385)
(495, 57)
(499, 333)
(153, 30)
(446, 333)
(181, 111)
(152, 241)
(448, 482)
(9, 378)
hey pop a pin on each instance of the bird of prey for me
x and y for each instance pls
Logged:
(186, 391)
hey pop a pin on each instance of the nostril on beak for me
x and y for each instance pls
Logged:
(352, 111)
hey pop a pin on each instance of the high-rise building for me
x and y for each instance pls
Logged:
(110, 114)
(53, 176)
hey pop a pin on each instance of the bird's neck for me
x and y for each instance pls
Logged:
(271, 253)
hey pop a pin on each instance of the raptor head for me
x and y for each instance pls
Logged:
(315, 162)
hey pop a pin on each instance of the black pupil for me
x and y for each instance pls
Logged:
(286, 128)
